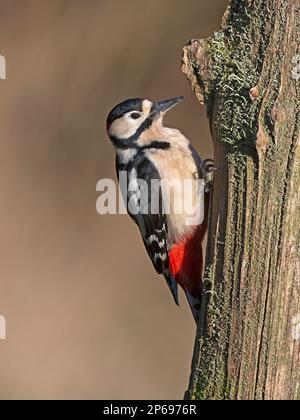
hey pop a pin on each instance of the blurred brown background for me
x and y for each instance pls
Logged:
(87, 317)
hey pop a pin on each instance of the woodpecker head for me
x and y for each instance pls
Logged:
(127, 121)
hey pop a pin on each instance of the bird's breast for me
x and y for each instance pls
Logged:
(181, 190)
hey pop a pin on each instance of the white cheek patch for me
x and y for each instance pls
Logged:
(123, 128)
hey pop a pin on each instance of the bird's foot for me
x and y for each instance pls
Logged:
(208, 169)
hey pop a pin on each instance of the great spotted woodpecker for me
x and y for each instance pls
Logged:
(148, 151)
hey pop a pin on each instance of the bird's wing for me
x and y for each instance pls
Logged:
(150, 218)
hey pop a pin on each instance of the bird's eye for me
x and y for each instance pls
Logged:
(135, 115)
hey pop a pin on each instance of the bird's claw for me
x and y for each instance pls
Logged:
(208, 169)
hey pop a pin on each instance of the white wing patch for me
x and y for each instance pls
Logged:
(154, 238)
(160, 256)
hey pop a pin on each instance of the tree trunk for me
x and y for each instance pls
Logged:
(247, 345)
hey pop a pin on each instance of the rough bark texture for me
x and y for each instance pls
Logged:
(247, 345)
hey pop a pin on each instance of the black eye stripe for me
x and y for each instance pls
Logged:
(135, 115)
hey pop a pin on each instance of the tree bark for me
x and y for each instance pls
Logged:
(248, 338)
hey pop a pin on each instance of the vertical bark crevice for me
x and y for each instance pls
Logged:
(246, 346)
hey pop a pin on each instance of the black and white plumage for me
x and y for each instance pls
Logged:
(148, 151)
(153, 227)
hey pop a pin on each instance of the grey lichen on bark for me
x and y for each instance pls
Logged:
(248, 339)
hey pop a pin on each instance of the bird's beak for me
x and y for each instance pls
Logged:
(164, 106)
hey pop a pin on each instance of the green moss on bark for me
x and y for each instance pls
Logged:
(244, 348)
